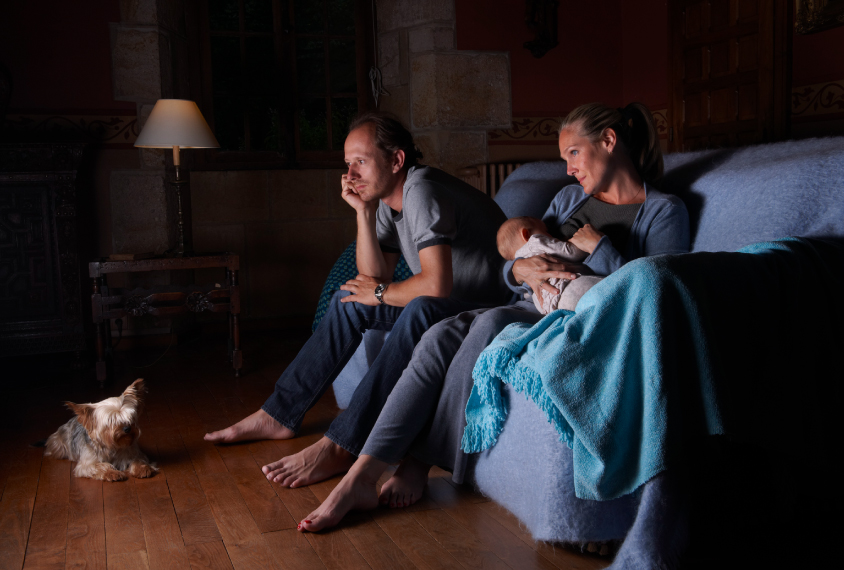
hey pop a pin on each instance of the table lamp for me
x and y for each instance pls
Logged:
(176, 124)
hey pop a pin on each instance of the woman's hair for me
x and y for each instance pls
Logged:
(633, 125)
(390, 135)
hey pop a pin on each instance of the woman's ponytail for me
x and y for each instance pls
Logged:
(643, 142)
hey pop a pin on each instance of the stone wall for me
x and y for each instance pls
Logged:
(149, 57)
(289, 227)
(449, 98)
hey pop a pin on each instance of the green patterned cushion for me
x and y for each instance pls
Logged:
(343, 270)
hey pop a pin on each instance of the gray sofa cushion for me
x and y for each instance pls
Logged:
(741, 196)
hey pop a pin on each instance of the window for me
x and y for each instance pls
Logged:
(282, 79)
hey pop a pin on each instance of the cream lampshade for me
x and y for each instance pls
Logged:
(176, 124)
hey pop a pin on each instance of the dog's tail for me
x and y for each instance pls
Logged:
(39, 443)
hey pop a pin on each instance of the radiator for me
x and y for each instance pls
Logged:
(488, 178)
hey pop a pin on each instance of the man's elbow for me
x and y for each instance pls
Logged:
(440, 290)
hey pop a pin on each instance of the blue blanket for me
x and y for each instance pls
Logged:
(630, 375)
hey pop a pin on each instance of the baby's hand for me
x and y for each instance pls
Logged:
(586, 238)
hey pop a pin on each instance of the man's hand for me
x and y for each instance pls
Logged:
(586, 238)
(536, 271)
(362, 288)
(352, 198)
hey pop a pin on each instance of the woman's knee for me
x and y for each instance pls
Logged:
(493, 321)
(445, 337)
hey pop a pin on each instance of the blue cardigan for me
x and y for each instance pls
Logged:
(660, 227)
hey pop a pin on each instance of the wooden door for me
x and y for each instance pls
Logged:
(729, 72)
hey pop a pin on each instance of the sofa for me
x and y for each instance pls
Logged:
(735, 197)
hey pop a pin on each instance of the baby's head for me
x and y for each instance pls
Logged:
(515, 232)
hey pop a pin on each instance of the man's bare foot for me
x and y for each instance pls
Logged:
(315, 463)
(406, 486)
(356, 491)
(259, 425)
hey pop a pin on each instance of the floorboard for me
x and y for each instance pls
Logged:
(209, 556)
(376, 547)
(123, 524)
(129, 561)
(292, 550)
(267, 509)
(86, 546)
(16, 508)
(165, 546)
(48, 534)
(494, 536)
(210, 507)
(422, 549)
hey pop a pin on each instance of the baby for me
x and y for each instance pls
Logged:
(527, 237)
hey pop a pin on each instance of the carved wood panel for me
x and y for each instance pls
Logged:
(27, 275)
(729, 72)
(40, 290)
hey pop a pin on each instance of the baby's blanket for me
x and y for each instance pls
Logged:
(673, 347)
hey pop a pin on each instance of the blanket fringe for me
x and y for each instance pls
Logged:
(482, 430)
(527, 381)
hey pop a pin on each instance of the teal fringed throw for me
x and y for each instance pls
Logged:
(634, 371)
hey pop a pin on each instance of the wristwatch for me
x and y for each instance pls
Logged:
(379, 292)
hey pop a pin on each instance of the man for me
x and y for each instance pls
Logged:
(446, 231)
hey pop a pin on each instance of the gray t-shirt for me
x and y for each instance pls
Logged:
(438, 208)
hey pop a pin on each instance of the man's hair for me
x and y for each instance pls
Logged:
(509, 231)
(390, 135)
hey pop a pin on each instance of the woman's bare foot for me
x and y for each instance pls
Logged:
(406, 486)
(259, 425)
(315, 463)
(356, 491)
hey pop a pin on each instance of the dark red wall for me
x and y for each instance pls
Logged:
(586, 66)
(644, 56)
(614, 51)
(59, 54)
(818, 57)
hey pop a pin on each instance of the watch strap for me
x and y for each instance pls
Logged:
(379, 292)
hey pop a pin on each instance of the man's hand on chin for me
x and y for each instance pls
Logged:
(362, 290)
(349, 193)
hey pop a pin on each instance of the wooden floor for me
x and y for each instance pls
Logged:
(211, 507)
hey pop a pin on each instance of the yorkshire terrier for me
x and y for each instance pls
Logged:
(103, 438)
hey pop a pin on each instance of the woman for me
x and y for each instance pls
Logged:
(615, 214)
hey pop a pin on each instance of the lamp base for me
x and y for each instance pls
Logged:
(181, 250)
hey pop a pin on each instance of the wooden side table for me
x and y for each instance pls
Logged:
(164, 300)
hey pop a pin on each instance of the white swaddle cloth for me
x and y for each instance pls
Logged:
(568, 292)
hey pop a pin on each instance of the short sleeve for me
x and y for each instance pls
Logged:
(430, 215)
(385, 229)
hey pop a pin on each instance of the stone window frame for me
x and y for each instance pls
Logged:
(202, 91)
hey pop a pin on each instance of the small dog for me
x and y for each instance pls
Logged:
(103, 438)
